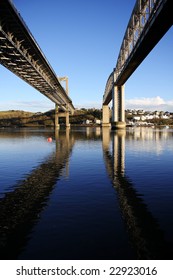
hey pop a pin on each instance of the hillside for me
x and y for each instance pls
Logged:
(19, 118)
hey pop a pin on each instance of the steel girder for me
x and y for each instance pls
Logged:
(20, 53)
(149, 21)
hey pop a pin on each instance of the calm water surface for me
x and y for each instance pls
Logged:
(88, 194)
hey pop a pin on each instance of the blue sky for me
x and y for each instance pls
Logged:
(81, 39)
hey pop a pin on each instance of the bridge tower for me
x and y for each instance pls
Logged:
(115, 93)
(118, 107)
(62, 114)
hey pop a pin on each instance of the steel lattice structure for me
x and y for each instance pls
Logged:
(20, 53)
(149, 21)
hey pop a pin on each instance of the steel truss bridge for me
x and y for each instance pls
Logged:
(20, 53)
(149, 21)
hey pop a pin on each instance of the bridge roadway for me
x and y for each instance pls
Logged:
(20, 53)
(149, 21)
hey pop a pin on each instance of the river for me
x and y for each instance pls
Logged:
(90, 193)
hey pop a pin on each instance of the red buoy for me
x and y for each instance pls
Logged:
(49, 139)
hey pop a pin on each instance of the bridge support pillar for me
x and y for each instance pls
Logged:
(62, 115)
(118, 108)
(56, 117)
(105, 116)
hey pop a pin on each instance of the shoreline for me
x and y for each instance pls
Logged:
(84, 125)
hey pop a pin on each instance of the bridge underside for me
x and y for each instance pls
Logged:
(154, 30)
(20, 53)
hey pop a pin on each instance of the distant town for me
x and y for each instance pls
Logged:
(142, 117)
(83, 116)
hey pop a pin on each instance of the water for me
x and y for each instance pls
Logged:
(88, 194)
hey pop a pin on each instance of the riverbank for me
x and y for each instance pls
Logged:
(83, 117)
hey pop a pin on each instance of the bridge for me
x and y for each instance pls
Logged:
(20, 53)
(149, 21)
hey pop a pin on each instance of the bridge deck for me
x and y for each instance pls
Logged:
(20, 53)
(143, 32)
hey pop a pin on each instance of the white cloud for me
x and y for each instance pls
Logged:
(41, 106)
(150, 103)
(32, 106)
(146, 101)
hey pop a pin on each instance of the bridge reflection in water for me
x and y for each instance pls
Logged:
(20, 208)
(96, 220)
(145, 235)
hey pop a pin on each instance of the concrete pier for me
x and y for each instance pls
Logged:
(105, 116)
(118, 108)
(61, 114)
